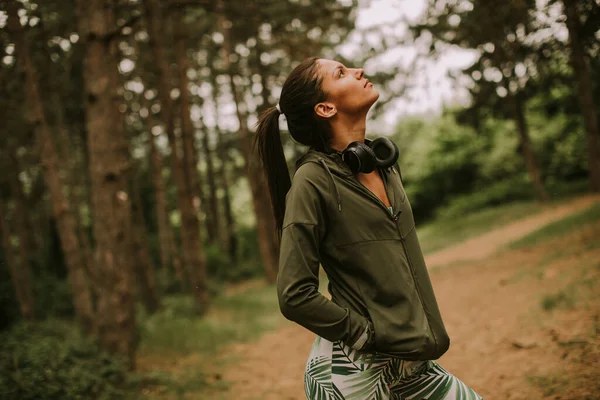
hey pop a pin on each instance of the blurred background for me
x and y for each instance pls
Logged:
(138, 250)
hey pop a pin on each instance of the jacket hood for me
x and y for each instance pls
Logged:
(332, 163)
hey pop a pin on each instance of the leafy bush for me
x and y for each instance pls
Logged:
(438, 159)
(53, 296)
(218, 265)
(50, 360)
(9, 306)
(505, 191)
(220, 268)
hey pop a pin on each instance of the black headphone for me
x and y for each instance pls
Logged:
(365, 157)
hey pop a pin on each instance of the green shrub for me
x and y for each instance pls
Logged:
(167, 281)
(53, 296)
(218, 265)
(506, 191)
(50, 360)
(438, 159)
(220, 268)
(9, 306)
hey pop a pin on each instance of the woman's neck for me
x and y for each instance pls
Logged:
(347, 130)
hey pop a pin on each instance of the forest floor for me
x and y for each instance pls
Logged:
(524, 319)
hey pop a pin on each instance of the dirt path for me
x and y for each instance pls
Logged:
(504, 344)
(485, 245)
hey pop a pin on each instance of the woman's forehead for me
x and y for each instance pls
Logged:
(326, 65)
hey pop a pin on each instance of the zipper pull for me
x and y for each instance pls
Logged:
(393, 170)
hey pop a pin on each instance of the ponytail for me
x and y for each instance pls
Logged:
(272, 157)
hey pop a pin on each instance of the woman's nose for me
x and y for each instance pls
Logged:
(359, 73)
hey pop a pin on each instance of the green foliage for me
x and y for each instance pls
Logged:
(9, 306)
(50, 360)
(438, 160)
(221, 268)
(505, 191)
(561, 299)
(237, 317)
(53, 297)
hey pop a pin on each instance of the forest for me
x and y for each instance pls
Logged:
(133, 209)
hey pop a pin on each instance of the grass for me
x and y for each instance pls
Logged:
(568, 224)
(551, 384)
(564, 298)
(444, 232)
(239, 317)
(175, 333)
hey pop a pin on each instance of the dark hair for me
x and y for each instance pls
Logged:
(299, 95)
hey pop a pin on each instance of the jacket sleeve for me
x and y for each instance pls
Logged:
(298, 280)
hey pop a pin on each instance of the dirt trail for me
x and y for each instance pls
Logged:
(504, 344)
(485, 245)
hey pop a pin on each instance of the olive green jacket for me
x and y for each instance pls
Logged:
(377, 274)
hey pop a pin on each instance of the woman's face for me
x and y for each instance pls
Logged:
(347, 89)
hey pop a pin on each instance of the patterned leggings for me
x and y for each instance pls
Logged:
(337, 372)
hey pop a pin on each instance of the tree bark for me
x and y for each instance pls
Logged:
(161, 204)
(527, 150)
(25, 248)
(19, 272)
(213, 208)
(265, 224)
(65, 221)
(193, 254)
(229, 235)
(584, 86)
(73, 166)
(109, 167)
(142, 262)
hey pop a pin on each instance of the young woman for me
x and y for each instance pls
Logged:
(347, 211)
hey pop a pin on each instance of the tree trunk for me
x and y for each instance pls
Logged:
(73, 167)
(65, 221)
(109, 167)
(161, 204)
(142, 263)
(25, 247)
(265, 224)
(527, 150)
(19, 272)
(584, 86)
(213, 209)
(229, 236)
(193, 254)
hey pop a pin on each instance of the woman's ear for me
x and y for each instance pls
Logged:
(325, 110)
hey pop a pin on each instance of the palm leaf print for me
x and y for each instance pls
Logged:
(317, 379)
(434, 384)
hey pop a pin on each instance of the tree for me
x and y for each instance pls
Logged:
(142, 263)
(498, 31)
(261, 50)
(574, 10)
(193, 254)
(49, 160)
(109, 168)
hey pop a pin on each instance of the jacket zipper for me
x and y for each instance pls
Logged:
(412, 272)
(370, 194)
(394, 217)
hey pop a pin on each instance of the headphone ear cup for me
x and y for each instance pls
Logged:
(386, 152)
(359, 157)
